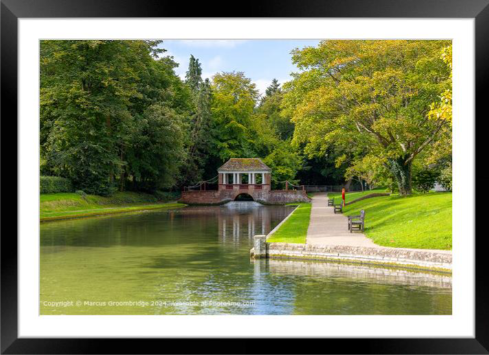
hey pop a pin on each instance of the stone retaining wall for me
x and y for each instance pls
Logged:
(376, 194)
(282, 197)
(421, 259)
(275, 197)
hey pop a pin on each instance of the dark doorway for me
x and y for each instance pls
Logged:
(243, 197)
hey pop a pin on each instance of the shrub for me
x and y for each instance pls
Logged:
(55, 184)
(425, 180)
(163, 196)
(120, 198)
(82, 194)
(445, 178)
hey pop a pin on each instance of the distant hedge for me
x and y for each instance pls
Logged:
(54, 184)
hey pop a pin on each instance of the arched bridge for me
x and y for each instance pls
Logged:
(262, 194)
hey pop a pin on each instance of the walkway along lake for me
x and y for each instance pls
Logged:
(195, 260)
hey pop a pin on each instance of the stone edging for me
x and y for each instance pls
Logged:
(412, 258)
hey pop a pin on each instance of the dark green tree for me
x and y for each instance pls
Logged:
(273, 88)
(270, 106)
(198, 139)
(95, 97)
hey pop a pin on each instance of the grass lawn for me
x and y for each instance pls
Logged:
(350, 196)
(294, 229)
(422, 221)
(71, 205)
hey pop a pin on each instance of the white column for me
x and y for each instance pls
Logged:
(263, 178)
(250, 181)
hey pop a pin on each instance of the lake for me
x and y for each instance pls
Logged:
(195, 260)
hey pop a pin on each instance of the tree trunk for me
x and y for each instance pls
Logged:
(402, 174)
(122, 181)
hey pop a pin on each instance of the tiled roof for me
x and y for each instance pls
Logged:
(244, 164)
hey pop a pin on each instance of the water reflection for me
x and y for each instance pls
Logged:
(360, 273)
(247, 219)
(195, 260)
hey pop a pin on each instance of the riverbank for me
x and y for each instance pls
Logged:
(294, 228)
(328, 237)
(429, 260)
(61, 206)
(421, 221)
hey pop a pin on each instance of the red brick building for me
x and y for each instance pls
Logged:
(244, 176)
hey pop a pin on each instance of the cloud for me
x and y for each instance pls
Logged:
(210, 43)
(208, 75)
(262, 84)
(215, 64)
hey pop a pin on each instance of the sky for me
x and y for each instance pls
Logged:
(260, 60)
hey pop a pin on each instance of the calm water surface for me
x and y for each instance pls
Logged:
(195, 260)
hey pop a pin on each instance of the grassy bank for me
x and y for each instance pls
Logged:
(421, 221)
(72, 205)
(294, 229)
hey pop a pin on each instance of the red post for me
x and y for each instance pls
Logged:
(343, 196)
(286, 186)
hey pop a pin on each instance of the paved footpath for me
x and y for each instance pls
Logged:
(328, 228)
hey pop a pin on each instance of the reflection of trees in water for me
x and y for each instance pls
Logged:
(157, 227)
(362, 273)
(334, 288)
(199, 254)
(235, 223)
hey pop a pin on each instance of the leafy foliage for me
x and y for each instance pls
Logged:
(445, 177)
(198, 142)
(107, 111)
(55, 184)
(115, 116)
(425, 180)
(369, 98)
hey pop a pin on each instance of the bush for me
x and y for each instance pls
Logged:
(163, 196)
(55, 184)
(425, 180)
(445, 178)
(121, 198)
(82, 194)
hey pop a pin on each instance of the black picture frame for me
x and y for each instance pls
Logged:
(13, 10)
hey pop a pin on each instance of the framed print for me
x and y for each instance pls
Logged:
(289, 176)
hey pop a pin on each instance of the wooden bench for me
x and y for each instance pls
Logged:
(338, 207)
(357, 222)
(330, 201)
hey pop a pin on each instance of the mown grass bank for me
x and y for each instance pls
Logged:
(72, 205)
(294, 229)
(421, 221)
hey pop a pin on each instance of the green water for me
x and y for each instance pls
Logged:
(195, 260)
